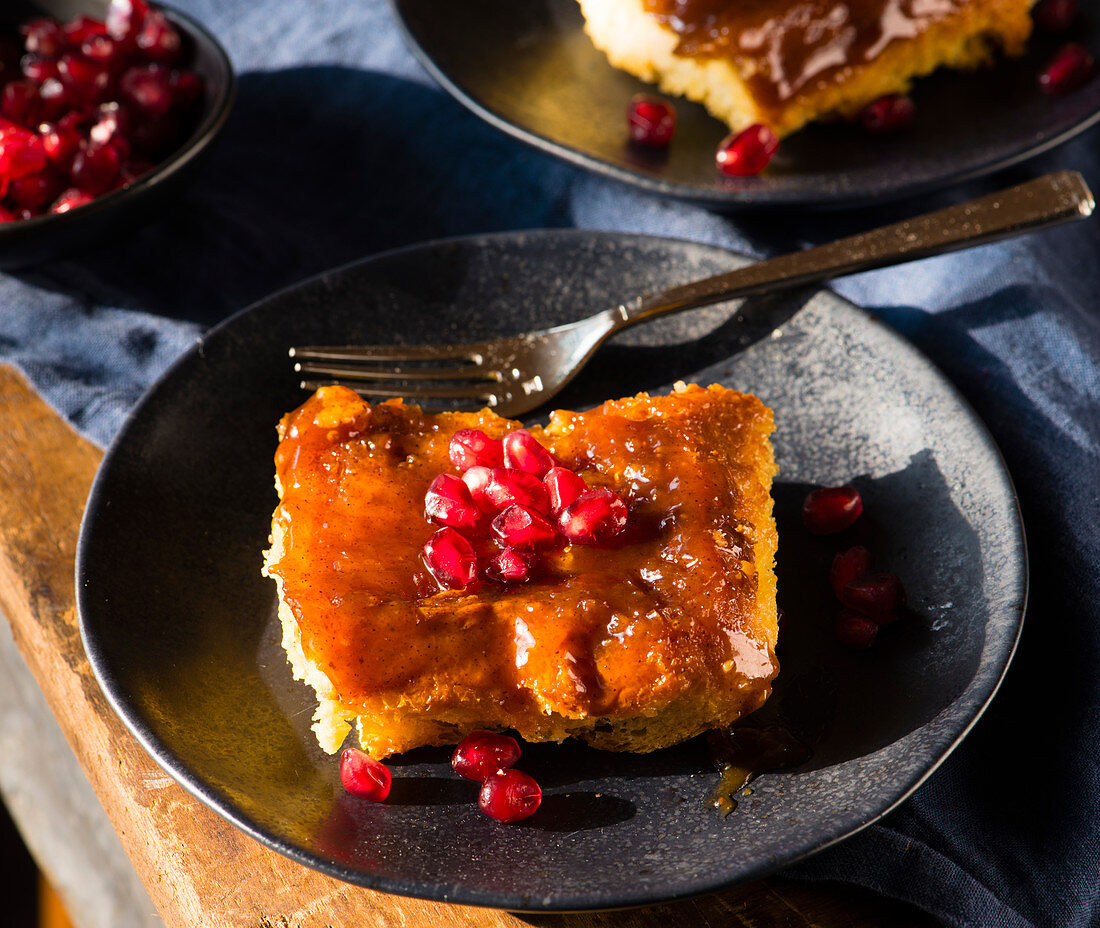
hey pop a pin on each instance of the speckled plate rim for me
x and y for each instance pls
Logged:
(968, 706)
(741, 199)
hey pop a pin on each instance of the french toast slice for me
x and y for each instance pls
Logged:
(785, 63)
(631, 646)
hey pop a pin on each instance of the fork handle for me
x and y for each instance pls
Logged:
(1046, 201)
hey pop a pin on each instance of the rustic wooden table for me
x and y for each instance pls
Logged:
(126, 846)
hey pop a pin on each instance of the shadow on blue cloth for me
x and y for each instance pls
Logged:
(317, 168)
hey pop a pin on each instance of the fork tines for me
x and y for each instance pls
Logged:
(441, 376)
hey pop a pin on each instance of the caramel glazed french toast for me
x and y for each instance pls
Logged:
(631, 646)
(785, 63)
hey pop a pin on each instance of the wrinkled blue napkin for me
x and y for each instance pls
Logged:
(341, 145)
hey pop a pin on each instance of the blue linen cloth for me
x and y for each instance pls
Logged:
(341, 145)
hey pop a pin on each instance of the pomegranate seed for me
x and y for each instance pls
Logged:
(81, 29)
(563, 486)
(363, 776)
(6, 215)
(158, 38)
(21, 155)
(19, 102)
(96, 168)
(55, 99)
(87, 78)
(156, 136)
(451, 559)
(482, 753)
(448, 502)
(745, 153)
(652, 121)
(472, 447)
(71, 199)
(854, 630)
(522, 528)
(831, 509)
(103, 50)
(509, 566)
(124, 17)
(43, 37)
(1070, 67)
(147, 88)
(509, 795)
(477, 478)
(111, 122)
(61, 145)
(876, 596)
(888, 114)
(522, 451)
(593, 517)
(848, 566)
(510, 487)
(38, 68)
(187, 88)
(1054, 15)
(35, 190)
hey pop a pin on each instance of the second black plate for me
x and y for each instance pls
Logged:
(529, 69)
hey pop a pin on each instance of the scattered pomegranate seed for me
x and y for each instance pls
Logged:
(524, 529)
(509, 795)
(448, 502)
(509, 566)
(477, 479)
(451, 559)
(848, 566)
(888, 114)
(855, 630)
(1054, 15)
(124, 17)
(96, 168)
(43, 37)
(473, 448)
(563, 486)
(482, 753)
(652, 121)
(1070, 67)
(71, 199)
(876, 596)
(831, 509)
(147, 88)
(522, 451)
(593, 517)
(746, 153)
(363, 776)
(510, 487)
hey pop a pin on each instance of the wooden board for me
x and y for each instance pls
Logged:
(198, 869)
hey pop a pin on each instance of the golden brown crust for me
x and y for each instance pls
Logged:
(631, 647)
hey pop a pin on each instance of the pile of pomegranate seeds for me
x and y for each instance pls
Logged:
(513, 491)
(868, 598)
(90, 106)
(746, 153)
(651, 121)
(363, 776)
(506, 795)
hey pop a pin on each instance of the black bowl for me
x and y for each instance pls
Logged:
(34, 241)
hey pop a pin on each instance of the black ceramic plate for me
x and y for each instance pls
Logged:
(180, 627)
(529, 69)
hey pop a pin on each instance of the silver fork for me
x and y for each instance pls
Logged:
(514, 375)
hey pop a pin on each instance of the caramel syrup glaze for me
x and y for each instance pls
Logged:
(600, 631)
(747, 750)
(782, 47)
